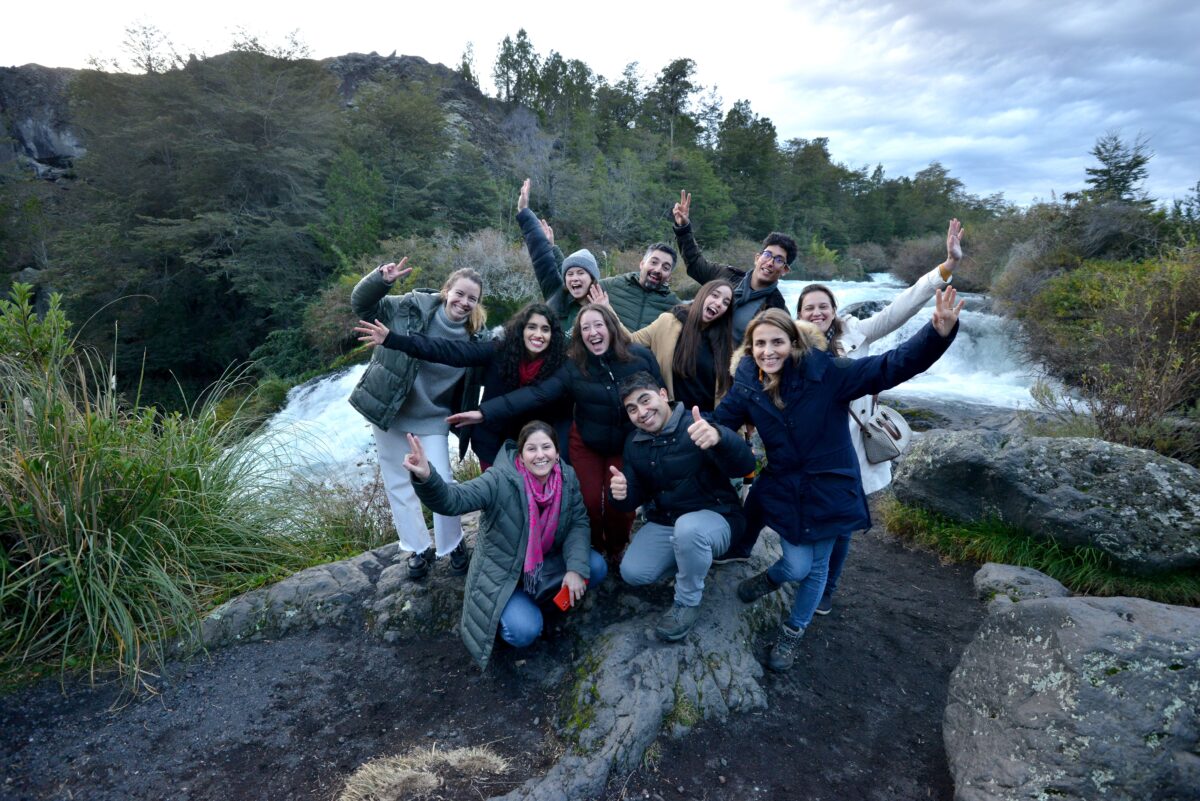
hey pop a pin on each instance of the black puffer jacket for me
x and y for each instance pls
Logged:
(671, 476)
(488, 436)
(599, 413)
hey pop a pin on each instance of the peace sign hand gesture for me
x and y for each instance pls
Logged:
(683, 209)
(393, 271)
(945, 313)
(415, 462)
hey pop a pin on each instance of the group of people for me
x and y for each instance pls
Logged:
(614, 396)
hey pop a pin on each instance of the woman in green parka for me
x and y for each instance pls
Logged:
(533, 542)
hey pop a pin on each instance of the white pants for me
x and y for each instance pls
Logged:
(392, 447)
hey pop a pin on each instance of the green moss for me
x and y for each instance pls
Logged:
(579, 708)
(1086, 571)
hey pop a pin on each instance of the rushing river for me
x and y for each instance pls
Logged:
(983, 367)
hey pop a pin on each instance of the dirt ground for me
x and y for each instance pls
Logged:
(859, 717)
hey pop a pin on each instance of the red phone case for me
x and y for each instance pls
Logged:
(563, 599)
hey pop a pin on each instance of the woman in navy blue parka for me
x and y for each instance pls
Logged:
(810, 491)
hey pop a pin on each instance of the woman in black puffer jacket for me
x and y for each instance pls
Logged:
(599, 356)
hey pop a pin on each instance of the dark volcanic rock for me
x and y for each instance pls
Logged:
(34, 107)
(1078, 699)
(1141, 508)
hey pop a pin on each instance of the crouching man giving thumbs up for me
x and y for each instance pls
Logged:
(677, 466)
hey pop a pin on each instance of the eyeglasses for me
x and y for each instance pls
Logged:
(778, 261)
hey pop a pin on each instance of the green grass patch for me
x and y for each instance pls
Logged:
(1087, 571)
(121, 525)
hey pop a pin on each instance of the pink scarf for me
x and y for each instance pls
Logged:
(544, 502)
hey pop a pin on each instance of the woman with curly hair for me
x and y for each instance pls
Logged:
(599, 356)
(531, 349)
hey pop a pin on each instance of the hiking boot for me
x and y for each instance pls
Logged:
(755, 587)
(825, 606)
(420, 562)
(460, 558)
(676, 622)
(735, 553)
(783, 652)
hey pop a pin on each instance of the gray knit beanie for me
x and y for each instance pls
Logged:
(582, 258)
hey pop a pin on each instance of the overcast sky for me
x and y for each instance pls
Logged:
(1009, 95)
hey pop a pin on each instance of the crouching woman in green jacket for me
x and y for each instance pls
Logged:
(534, 537)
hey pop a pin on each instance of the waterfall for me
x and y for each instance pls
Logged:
(984, 366)
(327, 438)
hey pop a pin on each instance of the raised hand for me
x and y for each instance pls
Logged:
(392, 271)
(683, 209)
(703, 433)
(372, 333)
(523, 197)
(465, 418)
(617, 485)
(547, 230)
(415, 462)
(596, 295)
(954, 244)
(945, 313)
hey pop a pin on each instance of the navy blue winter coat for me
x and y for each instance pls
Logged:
(811, 489)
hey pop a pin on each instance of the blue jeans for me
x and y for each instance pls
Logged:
(685, 550)
(521, 620)
(837, 560)
(808, 564)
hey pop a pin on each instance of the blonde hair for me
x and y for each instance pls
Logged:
(783, 321)
(478, 317)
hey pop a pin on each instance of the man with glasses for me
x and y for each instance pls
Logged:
(753, 290)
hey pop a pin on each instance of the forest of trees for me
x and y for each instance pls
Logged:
(226, 203)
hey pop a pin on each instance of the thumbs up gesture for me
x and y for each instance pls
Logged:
(703, 433)
(617, 485)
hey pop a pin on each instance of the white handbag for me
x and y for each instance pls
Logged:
(885, 433)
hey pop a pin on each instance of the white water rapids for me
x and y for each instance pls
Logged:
(322, 433)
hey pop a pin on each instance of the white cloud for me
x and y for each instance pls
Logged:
(1008, 95)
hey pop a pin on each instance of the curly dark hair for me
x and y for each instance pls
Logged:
(512, 347)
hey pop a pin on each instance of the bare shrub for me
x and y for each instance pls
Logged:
(871, 256)
(1128, 337)
(915, 257)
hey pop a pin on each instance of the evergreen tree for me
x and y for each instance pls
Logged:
(1122, 169)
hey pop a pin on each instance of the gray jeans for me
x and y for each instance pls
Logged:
(687, 548)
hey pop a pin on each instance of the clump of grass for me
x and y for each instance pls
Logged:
(120, 524)
(1083, 570)
(421, 774)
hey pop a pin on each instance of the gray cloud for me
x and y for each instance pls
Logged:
(1009, 96)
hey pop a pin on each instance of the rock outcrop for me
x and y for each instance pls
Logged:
(626, 689)
(1139, 507)
(34, 107)
(1078, 699)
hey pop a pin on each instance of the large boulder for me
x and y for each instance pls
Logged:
(1077, 699)
(1139, 507)
(1000, 585)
